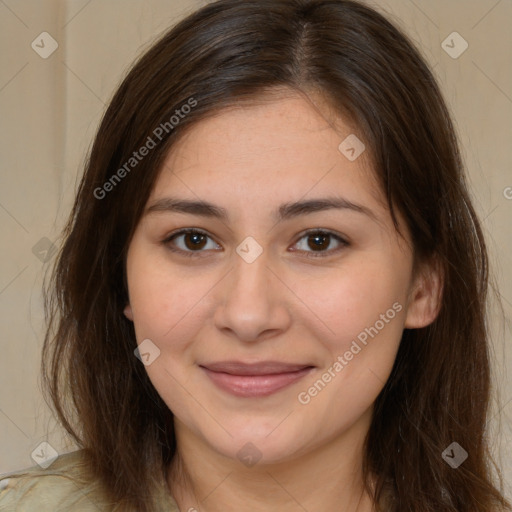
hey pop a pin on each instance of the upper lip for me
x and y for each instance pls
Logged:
(262, 368)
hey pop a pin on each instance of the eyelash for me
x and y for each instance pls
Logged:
(309, 254)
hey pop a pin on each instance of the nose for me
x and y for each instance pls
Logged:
(252, 303)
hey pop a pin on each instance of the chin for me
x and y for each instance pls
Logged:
(259, 444)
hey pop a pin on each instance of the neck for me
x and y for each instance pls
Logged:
(325, 478)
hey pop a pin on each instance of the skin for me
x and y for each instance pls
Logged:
(284, 306)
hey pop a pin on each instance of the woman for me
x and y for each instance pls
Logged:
(271, 292)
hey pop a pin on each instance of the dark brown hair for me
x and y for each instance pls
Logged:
(439, 388)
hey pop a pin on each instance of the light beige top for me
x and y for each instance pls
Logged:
(61, 488)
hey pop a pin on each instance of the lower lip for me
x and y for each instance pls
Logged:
(255, 385)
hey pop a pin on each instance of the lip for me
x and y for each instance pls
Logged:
(254, 379)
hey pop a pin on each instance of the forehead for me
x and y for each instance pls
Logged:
(288, 145)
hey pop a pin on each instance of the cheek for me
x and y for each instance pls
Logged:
(168, 305)
(363, 309)
(166, 302)
(363, 300)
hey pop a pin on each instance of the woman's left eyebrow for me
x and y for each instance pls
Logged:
(284, 212)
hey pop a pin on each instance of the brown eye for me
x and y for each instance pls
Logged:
(318, 243)
(194, 241)
(190, 242)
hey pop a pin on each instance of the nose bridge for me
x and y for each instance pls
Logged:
(250, 277)
(250, 302)
(250, 266)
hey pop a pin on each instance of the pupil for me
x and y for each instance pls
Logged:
(318, 241)
(196, 238)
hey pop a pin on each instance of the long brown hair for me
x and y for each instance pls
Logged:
(367, 69)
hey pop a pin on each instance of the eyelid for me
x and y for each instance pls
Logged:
(322, 254)
(168, 239)
(311, 254)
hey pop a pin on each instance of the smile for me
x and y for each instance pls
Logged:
(254, 380)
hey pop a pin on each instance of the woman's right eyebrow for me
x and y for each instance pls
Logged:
(202, 208)
(284, 212)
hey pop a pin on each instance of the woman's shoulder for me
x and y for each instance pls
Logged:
(60, 487)
(63, 487)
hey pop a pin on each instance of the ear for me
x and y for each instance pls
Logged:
(128, 313)
(425, 297)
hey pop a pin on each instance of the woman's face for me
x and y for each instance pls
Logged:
(264, 339)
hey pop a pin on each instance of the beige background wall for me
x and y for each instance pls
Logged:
(51, 107)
